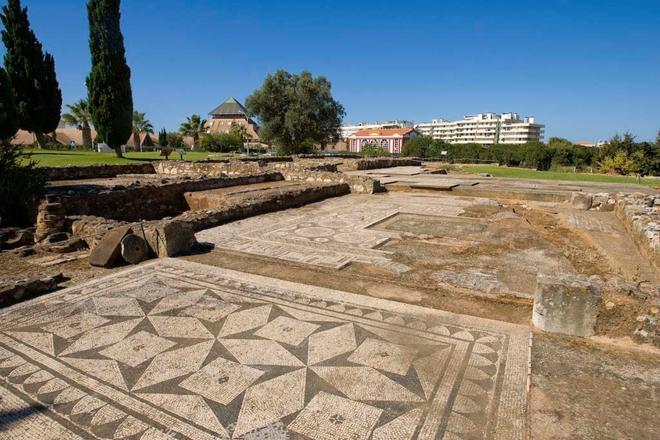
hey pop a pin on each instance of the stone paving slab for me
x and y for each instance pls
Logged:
(173, 349)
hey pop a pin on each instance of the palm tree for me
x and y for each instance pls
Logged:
(81, 117)
(193, 127)
(140, 125)
(241, 132)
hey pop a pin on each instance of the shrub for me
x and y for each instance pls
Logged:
(20, 184)
(436, 148)
(417, 147)
(220, 143)
(620, 163)
(373, 150)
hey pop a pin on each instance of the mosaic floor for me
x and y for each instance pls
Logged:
(174, 350)
(333, 233)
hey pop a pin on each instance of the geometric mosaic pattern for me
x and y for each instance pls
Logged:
(173, 350)
(334, 233)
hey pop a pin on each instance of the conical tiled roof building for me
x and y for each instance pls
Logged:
(231, 112)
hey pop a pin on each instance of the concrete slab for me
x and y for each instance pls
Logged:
(174, 349)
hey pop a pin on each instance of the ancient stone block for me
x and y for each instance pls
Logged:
(566, 304)
(171, 238)
(134, 249)
(73, 244)
(581, 200)
(108, 251)
(22, 290)
(19, 239)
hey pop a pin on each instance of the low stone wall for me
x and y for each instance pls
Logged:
(92, 229)
(215, 169)
(357, 184)
(306, 165)
(327, 157)
(150, 201)
(640, 214)
(96, 171)
(376, 163)
(251, 206)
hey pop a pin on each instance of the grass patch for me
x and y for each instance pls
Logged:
(54, 158)
(526, 173)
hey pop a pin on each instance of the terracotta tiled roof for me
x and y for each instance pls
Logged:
(383, 132)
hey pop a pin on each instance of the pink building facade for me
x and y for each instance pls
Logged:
(391, 139)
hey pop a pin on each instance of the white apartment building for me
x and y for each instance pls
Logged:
(485, 129)
(349, 129)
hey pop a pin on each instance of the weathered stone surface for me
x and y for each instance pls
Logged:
(50, 219)
(108, 251)
(566, 304)
(134, 249)
(648, 329)
(581, 201)
(170, 238)
(24, 251)
(16, 239)
(26, 289)
(95, 171)
(641, 218)
(151, 201)
(71, 245)
(57, 237)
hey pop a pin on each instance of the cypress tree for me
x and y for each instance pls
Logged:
(109, 83)
(8, 116)
(162, 138)
(31, 73)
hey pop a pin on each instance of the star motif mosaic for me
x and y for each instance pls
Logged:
(209, 353)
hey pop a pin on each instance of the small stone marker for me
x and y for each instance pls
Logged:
(581, 201)
(134, 249)
(108, 251)
(566, 304)
(171, 238)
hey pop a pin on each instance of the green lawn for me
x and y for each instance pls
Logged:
(53, 158)
(526, 173)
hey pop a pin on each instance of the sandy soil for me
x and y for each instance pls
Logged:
(584, 390)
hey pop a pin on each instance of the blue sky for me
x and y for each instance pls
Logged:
(585, 68)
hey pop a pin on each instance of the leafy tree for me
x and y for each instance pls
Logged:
(20, 184)
(620, 163)
(436, 149)
(194, 126)
(536, 155)
(584, 156)
(557, 142)
(296, 111)
(417, 146)
(174, 140)
(31, 73)
(80, 116)
(162, 138)
(109, 83)
(140, 125)
(618, 143)
(221, 142)
(8, 115)
(239, 131)
(509, 155)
